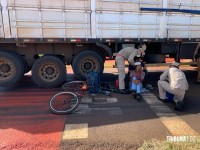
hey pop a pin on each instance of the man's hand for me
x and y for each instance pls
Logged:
(136, 81)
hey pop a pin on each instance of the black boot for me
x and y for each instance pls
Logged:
(122, 91)
(133, 93)
(138, 97)
(179, 106)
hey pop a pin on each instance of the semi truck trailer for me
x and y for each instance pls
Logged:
(46, 35)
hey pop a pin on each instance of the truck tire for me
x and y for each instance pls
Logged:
(48, 72)
(87, 61)
(11, 68)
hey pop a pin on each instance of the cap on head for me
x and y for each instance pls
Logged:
(175, 64)
(137, 63)
(138, 56)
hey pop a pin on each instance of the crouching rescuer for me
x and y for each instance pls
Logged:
(173, 81)
(128, 54)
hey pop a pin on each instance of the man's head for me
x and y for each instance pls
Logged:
(138, 58)
(141, 50)
(175, 64)
(144, 47)
(138, 66)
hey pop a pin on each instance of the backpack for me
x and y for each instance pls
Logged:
(93, 82)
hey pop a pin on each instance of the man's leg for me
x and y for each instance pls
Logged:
(121, 78)
(139, 87)
(178, 99)
(138, 92)
(178, 95)
(121, 71)
(163, 86)
(133, 87)
(198, 68)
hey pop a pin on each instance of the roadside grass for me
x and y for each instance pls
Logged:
(166, 145)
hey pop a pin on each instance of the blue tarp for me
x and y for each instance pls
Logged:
(171, 10)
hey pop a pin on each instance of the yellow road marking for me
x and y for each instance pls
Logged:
(75, 131)
(178, 126)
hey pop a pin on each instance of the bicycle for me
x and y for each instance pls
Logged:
(67, 101)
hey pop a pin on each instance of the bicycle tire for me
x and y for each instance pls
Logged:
(73, 86)
(63, 103)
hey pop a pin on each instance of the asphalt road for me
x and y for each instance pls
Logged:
(120, 122)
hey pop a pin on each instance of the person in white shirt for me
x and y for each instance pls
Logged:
(173, 81)
(128, 54)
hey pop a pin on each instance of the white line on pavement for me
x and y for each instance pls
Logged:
(85, 110)
(111, 110)
(172, 122)
(75, 131)
(112, 100)
(99, 100)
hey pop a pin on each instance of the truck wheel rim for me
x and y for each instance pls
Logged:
(6, 70)
(88, 65)
(49, 72)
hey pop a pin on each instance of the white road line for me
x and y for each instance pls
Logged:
(116, 111)
(176, 125)
(85, 110)
(112, 100)
(111, 111)
(75, 131)
(100, 100)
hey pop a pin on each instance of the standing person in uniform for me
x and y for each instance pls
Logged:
(126, 54)
(173, 81)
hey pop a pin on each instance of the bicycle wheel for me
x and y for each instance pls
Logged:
(63, 103)
(74, 86)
